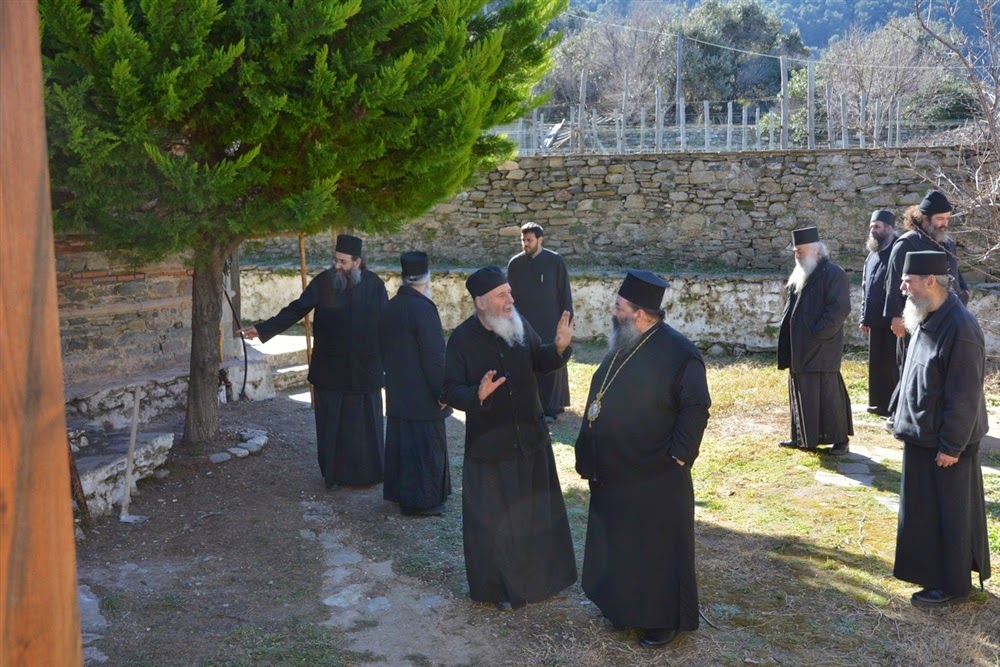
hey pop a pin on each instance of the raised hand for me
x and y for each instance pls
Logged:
(488, 385)
(564, 332)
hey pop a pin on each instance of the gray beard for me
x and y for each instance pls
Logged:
(873, 244)
(624, 336)
(511, 329)
(340, 281)
(940, 237)
(914, 313)
(803, 269)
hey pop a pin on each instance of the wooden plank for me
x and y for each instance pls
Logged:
(39, 619)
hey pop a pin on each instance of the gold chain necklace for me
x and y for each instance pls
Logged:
(595, 407)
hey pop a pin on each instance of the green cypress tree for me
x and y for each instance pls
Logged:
(197, 124)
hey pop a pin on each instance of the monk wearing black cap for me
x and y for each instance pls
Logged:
(883, 371)
(811, 346)
(642, 429)
(926, 229)
(346, 365)
(941, 417)
(416, 448)
(514, 526)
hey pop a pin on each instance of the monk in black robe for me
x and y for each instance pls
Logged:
(540, 286)
(883, 371)
(346, 366)
(515, 530)
(941, 418)
(811, 346)
(646, 413)
(417, 475)
(926, 229)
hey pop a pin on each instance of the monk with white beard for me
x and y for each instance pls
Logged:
(811, 346)
(515, 530)
(941, 418)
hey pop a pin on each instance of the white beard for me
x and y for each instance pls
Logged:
(624, 335)
(511, 329)
(803, 269)
(914, 313)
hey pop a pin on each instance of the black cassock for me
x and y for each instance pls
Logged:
(514, 524)
(883, 369)
(417, 475)
(639, 561)
(942, 534)
(346, 371)
(541, 290)
(811, 346)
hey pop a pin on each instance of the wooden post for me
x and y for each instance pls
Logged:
(829, 115)
(619, 121)
(729, 126)
(888, 137)
(756, 124)
(844, 136)
(811, 106)
(658, 131)
(743, 141)
(623, 136)
(642, 129)
(708, 127)
(785, 114)
(863, 121)
(876, 129)
(899, 118)
(680, 71)
(305, 320)
(39, 614)
(581, 114)
(572, 131)
(770, 130)
(683, 125)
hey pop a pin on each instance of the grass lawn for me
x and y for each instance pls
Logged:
(793, 571)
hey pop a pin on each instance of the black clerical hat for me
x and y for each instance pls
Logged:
(883, 216)
(805, 235)
(485, 280)
(349, 245)
(934, 202)
(643, 288)
(413, 263)
(926, 263)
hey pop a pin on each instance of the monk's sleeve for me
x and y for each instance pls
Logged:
(837, 307)
(692, 413)
(461, 391)
(290, 314)
(962, 395)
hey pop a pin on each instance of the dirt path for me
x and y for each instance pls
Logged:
(239, 562)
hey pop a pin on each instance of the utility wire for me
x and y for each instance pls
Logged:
(660, 33)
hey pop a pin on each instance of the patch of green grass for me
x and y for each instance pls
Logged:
(296, 644)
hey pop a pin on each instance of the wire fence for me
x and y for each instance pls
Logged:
(722, 127)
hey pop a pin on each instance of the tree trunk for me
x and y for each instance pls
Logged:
(201, 423)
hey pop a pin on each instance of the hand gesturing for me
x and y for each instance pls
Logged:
(488, 385)
(564, 332)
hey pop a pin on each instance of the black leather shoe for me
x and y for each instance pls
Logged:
(429, 511)
(840, 449)
(791, 444)
(502, 605)
(657, 638)
(935, 598)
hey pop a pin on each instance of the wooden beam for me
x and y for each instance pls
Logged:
(39, 619)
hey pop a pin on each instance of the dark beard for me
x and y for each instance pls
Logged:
(345, 281)
(874, 244)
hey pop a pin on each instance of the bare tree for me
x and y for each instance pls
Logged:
(976, 186)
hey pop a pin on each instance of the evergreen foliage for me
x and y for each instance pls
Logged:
(196, 124)
(187, 123)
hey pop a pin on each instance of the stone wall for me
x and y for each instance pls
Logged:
(731, 211)
(720, 313)
(118, 320)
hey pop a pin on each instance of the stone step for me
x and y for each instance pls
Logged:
(289, 376)
(102, 466)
